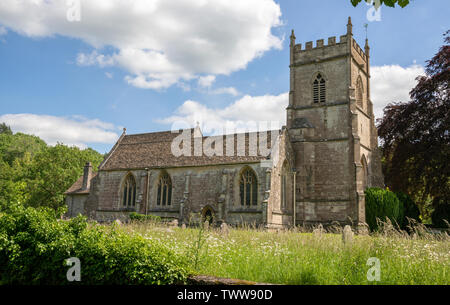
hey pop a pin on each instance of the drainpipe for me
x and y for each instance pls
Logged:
(295, 203)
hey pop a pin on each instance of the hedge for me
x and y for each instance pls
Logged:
(382, 204)
(142, 218)
(34, 246)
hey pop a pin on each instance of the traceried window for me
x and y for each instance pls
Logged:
(359, 92)
(164, 190)
(129, 192)
(248, 188)
(319, 89)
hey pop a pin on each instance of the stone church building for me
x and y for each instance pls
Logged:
(315, 168)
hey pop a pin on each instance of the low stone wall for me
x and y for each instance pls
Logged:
(211, 280)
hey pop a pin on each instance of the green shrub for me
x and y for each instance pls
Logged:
(410, 209)
(34, 246)
(382, 204)
(142, 218)
(441, 214)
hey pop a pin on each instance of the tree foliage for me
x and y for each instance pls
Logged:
(34, 174)
(5, 129)
(415, 135)
(54, 170)
(391, 3)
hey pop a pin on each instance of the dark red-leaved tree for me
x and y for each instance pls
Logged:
(415, 135)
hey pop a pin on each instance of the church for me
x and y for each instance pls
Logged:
(313, 170)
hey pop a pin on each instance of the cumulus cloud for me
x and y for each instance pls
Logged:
(225, 90)
(75, 130)
(248, 113)
(158, 42)
(392, 83)
(206, 81)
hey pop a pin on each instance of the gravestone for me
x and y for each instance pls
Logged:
(347, 235)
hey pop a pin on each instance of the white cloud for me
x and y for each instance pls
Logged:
(206, 81)
(243, 114)
(158, 42)
(109, 75)
(225, 90)
(392, 84)
(94, 59)
(76, 130)
(3, 31)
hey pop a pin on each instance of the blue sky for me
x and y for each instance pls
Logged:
(58, 81)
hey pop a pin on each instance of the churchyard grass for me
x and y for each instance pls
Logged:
(295, 257)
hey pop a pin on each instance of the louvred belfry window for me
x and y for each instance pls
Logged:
(319, 89)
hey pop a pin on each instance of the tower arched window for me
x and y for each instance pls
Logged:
(248, 188)
(129, 192)
(364, 176)
(359, 92)
(164, 190)
(319, 89)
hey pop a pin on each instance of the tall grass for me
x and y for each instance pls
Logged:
(298, 257)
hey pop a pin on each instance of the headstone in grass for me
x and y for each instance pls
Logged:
(224, 229)
(117, 222)
(183, 226)
(206, 225)
(318, 231)
(347, 235)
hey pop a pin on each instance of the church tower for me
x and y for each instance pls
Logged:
(330, 122)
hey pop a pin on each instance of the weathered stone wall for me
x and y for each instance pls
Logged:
(193, 189)
(277, 214)
(75, 205)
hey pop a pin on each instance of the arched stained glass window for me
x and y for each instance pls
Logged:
(129, 192)
(164, 190)
(248, 188)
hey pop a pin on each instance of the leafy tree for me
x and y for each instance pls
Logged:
(390, 3)
(34, 174)
(13, 147)
(415, 135)
(410, 209)
(5, 129)
(54, 170)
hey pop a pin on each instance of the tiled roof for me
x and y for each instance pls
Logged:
(76, 188)
(153, 150)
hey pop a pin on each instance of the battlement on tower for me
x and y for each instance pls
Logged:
(346, 45)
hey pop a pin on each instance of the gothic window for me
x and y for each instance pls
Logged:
(319, 89)
(359, 92)
(248, 188)
(364, 179)
(129, 192)
(164, 190)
